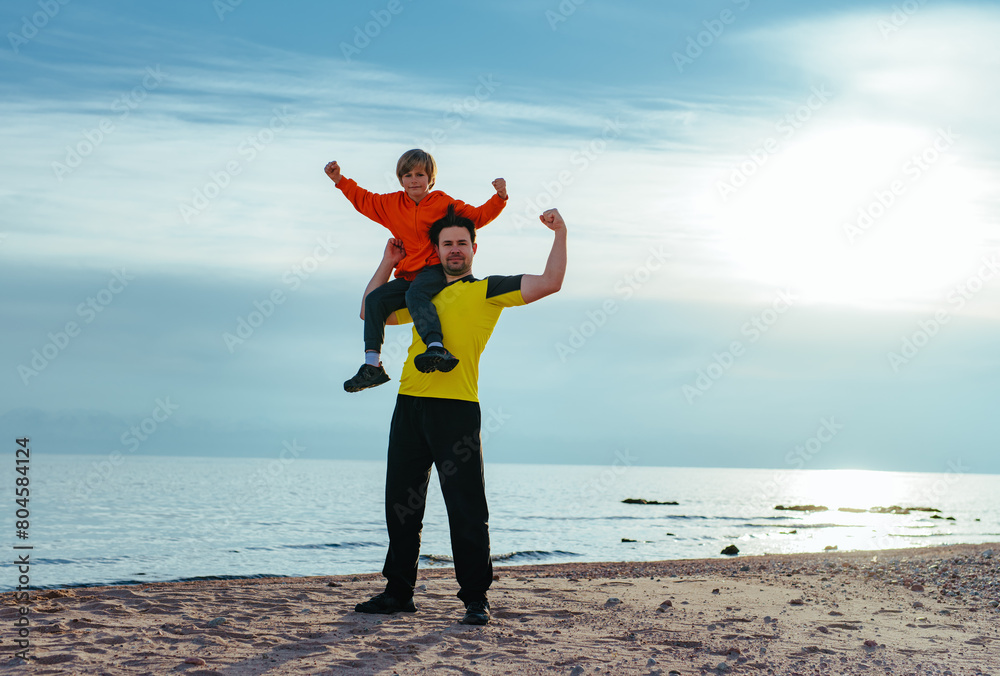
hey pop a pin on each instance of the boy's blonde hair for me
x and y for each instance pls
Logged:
(417, 158)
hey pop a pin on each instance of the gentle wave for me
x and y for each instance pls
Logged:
(534, 555)
(335, 545)
(126, 582)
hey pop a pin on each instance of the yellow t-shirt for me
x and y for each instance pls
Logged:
(468, 309)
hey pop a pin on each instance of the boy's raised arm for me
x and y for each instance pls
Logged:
(487, 212)
(332, 170)
(370, 204)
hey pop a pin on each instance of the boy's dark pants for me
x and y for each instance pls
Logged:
(415, 296)
(445, 433)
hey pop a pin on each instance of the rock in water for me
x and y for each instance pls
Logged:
(894, 509)
(643, 501)
(802, 508)
(731, 550)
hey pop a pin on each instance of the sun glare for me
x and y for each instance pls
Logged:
(859, 215)
(861, 489)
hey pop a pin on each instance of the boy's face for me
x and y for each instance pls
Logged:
(456, 250)
(416, 183)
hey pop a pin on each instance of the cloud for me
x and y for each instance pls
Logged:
(635, 169)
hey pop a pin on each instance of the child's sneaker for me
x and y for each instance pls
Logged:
(435, 359)
(367, 376)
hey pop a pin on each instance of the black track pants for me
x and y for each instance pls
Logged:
(445, 433)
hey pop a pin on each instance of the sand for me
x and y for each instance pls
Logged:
(912, 611)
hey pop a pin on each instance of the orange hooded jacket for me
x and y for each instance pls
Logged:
(410, 221)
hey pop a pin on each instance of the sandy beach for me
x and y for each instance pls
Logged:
(912, 611)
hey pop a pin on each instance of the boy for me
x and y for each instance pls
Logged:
(408, 214)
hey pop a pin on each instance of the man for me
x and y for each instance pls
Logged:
(437, 417)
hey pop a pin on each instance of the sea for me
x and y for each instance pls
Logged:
(97, 520)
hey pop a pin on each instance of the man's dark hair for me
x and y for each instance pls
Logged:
(450, 221)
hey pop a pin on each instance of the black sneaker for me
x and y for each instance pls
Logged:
(477, 612)
(384, 604)
(435, 359)
(367, 376)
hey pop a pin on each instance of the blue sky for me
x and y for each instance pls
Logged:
(783, 221)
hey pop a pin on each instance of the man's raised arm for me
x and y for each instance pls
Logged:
(534, 287)
(390, 258)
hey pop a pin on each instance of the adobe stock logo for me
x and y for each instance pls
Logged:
(787, 126)
(912, 170)
(911, 345)
(122, 106)
(754, 328)
(363, 36)
(60, 340)
(626, 287)
(580, 159)
(131, 440)
(252, 145)
(900, 17)
(39, 20)
(293, 278)
(699, 42)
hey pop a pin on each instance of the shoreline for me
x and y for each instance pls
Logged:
(912, 610)
(497, 564)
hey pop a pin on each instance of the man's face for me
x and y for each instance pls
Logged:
(416, 183)
(456, 249)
